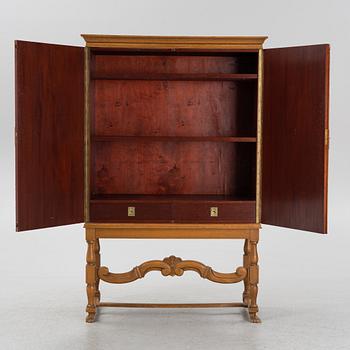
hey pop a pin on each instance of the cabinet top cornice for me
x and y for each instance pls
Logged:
(174, 42)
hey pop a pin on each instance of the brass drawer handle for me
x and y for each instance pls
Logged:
(131, 211)
(214, 211)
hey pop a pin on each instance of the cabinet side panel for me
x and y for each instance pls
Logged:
(49, 135)
(295, 137)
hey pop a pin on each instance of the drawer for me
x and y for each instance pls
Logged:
(233, 212)
(130, 211)
(172, 211)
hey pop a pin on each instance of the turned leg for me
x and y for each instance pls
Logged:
(246, 264)
(91, 275)
(253, 279)
(98, 264)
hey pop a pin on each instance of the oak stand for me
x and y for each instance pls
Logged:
(172, 265)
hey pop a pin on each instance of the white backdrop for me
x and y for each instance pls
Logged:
(305, 279)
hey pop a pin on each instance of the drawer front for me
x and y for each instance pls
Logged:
(237, 212)
(130, 212)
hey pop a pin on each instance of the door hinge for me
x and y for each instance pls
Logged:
(326, 137)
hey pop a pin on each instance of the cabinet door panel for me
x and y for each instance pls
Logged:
(295, 137)
(49, 135)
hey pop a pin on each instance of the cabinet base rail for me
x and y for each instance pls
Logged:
(171, 306)
(91, 317)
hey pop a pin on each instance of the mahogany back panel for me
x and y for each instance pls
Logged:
(49, 135)
(137, 167)
(111, 63)
(295, 149)
(174, 108)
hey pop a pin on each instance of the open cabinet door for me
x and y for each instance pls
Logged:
(49, 135)
(295, 137)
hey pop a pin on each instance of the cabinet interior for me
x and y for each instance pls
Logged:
(173, 135)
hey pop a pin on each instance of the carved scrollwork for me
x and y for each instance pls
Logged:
(172, 266)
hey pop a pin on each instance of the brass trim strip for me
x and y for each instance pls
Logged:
(86, 134)
(259, 137)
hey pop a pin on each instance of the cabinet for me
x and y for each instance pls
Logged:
(171, 137)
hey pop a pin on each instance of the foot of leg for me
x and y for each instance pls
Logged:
(253, 318)
(90, 318)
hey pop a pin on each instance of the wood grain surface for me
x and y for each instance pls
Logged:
(174, 168)
(176, 108)
(112, 63)
(49, 135)
(295, 146)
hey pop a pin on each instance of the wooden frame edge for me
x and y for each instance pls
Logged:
(248, 226)
(175, 231)
(259, 137)
(185, 42)
(326, 153)
(87, 134)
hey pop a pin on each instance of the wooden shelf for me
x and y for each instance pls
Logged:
(101, 198)
(97, 138)
(175, 76)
